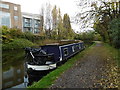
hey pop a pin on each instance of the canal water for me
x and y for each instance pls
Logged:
(14, 73)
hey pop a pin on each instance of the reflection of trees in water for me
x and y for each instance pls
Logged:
(6, 67)
(13, 76)
(13, 68)
(12, 58)
(9, 56)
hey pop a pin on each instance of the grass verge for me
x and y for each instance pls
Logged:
(115, 53)
(49, 79)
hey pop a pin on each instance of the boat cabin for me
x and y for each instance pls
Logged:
(62, 51)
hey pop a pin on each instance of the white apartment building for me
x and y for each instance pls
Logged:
(30, 22)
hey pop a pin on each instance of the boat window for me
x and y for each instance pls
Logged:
(79, 46)
(65, 51)
(73, 48)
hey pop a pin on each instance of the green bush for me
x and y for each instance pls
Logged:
(4, 30)
(6, 37)
(9, 34)
(17, 43)
(29, 36)
(13, 38)
(88, 36)
(15, 33)
(114, 30)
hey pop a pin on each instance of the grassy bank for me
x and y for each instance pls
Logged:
(49, 79)
(115, 53)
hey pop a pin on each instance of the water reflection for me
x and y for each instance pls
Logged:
(12, 68)
(14, 73)
(13, 76)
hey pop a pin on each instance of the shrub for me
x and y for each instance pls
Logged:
(15, 33)
(88, 36)
(114, 30)
(29, 36)
(17, 43)
(6, 37)
(4, 30)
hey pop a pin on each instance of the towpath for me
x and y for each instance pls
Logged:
(95, 70)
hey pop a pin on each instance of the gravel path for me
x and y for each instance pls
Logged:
(88, 72)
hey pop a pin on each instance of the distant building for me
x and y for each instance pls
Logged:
(31, 22)
(10, 15)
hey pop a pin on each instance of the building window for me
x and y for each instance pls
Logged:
(36, 31)
(27, 29)
(15, 8)
(73, 48)
(15, 18)
(5, 19)
(4, 6)
(39, 22)
(65, 51)
(27, 22)
(36, 23)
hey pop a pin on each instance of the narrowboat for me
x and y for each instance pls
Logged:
(49, 56)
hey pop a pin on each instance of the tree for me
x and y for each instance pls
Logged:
(107, 12)
(88, 36)
(48, 23)
(60, 26)
(42, 32)
(54, 22)
(114, 29)
(67, 27)
(54, 17)
(102, 13)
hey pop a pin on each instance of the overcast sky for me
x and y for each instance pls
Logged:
(33, 6)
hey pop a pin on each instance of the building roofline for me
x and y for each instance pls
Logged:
(9, 2)
(26, 13)
(30, 15)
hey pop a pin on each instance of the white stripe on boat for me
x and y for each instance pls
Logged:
(41, 67)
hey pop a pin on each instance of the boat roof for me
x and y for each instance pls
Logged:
(64, 42)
